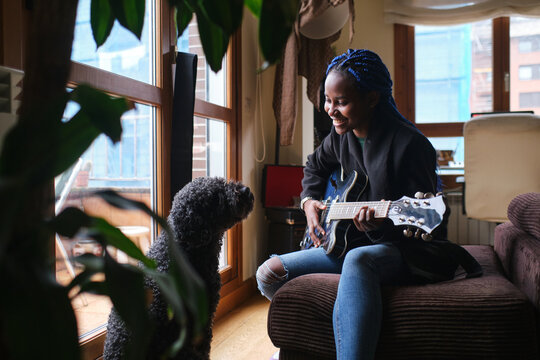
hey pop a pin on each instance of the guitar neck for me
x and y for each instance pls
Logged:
(347, 210)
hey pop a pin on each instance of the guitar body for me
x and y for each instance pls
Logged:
(338, 233)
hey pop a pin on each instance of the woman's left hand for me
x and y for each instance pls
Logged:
(365, 219)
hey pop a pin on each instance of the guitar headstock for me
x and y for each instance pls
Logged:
(425, 214)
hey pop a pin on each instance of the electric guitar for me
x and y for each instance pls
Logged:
(423, 214)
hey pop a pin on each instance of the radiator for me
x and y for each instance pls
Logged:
(463, 230)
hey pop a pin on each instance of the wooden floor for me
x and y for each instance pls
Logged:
(242, 335)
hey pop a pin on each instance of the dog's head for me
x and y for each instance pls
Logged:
(210, 204)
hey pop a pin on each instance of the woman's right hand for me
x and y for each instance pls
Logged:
(312, 209)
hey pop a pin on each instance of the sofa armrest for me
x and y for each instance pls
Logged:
(519, 253)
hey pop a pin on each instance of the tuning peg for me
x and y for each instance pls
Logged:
(407, 232)
(426, 237)
(428, 195)
(419, 195)
(418, 233)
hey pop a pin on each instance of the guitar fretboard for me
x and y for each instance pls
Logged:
(347, 210)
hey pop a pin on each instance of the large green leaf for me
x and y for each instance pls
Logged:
(125, 285)
(174, 299)
(101, 20)
(103, 110)
(254, 6)
(36, 156)
(214, 41)
(72, 221)
(184, 14)
(73, 138)
(130, 14)
(118, 201)
(225, 14)
(275, 26)
(92, 265)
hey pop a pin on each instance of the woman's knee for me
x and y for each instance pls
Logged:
(270, 276)
(361, 256)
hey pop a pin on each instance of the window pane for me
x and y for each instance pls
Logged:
(525, 64)
(209, 147)
(210, 158)
(453, 70)
(125, 167)
(122, 53)
(210, 86)
(450, 154)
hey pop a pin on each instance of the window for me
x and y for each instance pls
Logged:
(527, 44)
(485, 66)
(524, 65)
(128, 167)
(122, 53)
(138, 166)
(529, 72)
(529, 100)
(215, 113)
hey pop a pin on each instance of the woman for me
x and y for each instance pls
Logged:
(371, 137)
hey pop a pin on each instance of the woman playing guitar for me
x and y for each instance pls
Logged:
(391, 158)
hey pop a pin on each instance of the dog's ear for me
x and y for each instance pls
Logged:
(222, 200)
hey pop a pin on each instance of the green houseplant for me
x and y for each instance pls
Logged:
(37, 319)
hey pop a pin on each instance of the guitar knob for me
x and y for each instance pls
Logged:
(428, 195)
(407, 232)
(427, 237)
(418, 233)
(419, 195)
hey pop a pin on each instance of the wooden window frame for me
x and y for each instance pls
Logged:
(404, 89)
(231, 115)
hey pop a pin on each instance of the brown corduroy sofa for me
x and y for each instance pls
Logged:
(491, 317)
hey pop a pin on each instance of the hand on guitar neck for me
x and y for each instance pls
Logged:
(366, 219)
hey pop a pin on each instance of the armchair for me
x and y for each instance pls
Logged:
(491, 317)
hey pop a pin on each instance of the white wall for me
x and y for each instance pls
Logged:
(370, 32)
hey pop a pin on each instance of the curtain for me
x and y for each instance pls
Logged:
(449, 12)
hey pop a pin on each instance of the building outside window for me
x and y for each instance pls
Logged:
(455, 74)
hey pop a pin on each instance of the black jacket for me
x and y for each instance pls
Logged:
(398, 160)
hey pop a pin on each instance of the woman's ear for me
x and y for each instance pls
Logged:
(373, 98)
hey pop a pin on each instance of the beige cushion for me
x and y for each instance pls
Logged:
(502, 160)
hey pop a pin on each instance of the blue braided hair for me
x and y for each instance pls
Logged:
(369, 73)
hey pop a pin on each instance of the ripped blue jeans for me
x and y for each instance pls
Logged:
(358, 308)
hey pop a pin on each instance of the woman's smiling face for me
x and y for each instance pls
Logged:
(349, 109)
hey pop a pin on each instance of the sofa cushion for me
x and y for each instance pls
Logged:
(524, 213)
(519, 253)
(485, 317)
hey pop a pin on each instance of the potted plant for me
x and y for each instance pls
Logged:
(35, 308)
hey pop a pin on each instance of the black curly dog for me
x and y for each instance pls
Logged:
(201, 213)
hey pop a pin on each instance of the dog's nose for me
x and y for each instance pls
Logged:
(246, 191)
